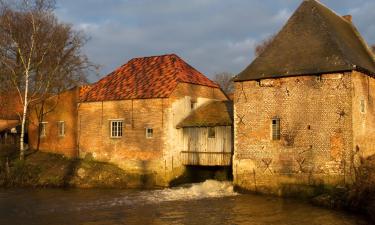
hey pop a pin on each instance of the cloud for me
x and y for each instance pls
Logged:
(211, 35)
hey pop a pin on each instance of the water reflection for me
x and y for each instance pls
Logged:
(207, 203)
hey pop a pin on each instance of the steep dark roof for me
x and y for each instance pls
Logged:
(146, 77)
(315, 40)
(215, 113)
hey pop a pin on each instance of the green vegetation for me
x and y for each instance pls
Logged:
(41, 169)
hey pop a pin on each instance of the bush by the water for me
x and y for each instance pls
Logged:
(362, 195)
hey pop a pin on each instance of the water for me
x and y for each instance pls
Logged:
(210, 202)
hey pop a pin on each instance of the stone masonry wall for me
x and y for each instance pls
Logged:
(316, 132)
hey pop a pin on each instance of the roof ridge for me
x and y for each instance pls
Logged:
(153, 56)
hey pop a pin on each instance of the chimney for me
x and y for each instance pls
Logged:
(348, 18)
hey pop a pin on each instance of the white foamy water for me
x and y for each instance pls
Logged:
(207, 189)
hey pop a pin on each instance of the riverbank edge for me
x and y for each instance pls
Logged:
(47, 170)
(358, 197)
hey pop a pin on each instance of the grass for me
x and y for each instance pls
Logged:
(41, 169)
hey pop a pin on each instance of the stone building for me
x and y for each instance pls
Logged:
(304, 109)
(129, 117)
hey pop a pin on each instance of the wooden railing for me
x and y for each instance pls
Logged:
(206, 158)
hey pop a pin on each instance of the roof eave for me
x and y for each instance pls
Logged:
(294, 75)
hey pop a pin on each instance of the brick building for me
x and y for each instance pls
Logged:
(10, 114)
(129, 117)
(304, 109)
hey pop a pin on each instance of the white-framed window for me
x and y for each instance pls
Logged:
(61, 128)
(149, 132)
(42, 129)
(276, 129)
(116, 128)
(211, 132)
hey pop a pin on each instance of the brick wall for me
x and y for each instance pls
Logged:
(315, 113)
(59, 108)
(159, 156)
(363, 115)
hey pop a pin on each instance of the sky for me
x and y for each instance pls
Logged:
(211, 35)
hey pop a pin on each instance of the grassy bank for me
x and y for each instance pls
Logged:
(52, 170)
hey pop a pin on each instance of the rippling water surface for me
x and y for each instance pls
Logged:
(211, 202)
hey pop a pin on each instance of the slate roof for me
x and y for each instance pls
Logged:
(315, 40)
(215, 113)
(147, 77)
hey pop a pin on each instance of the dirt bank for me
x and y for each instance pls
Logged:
(51, 170)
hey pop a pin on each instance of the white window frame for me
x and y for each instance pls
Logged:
(61, 128)
(148, 134)
(43, 129)
(116, 131)
(275, 129)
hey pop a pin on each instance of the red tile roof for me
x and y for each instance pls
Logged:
(148, 77)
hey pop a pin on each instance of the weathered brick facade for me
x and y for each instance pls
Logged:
(158, 157)
(322, 130)
(62, 108)
(151, 93)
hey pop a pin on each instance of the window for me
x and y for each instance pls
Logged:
(116, 128)
(193, 104)
(363, 106)
(61, 128)
(276, 129)
(211, 132)
(149, 132)
(42, 129)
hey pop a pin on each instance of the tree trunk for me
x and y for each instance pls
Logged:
(25, 105)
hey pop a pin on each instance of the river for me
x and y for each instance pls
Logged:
(210, 202)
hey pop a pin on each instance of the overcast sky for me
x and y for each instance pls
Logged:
(211, 35)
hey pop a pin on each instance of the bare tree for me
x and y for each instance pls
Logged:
(39, 55)
(260, 47)
(225, 80)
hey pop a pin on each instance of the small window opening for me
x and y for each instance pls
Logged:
(149, 132)
(308, 127)
(42, 129)
(276, 129)
(61, 128)
(211, 132)
(193, 104)
(116, 128)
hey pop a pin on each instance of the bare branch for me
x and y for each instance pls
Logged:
(225, 81)
(260, 47)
